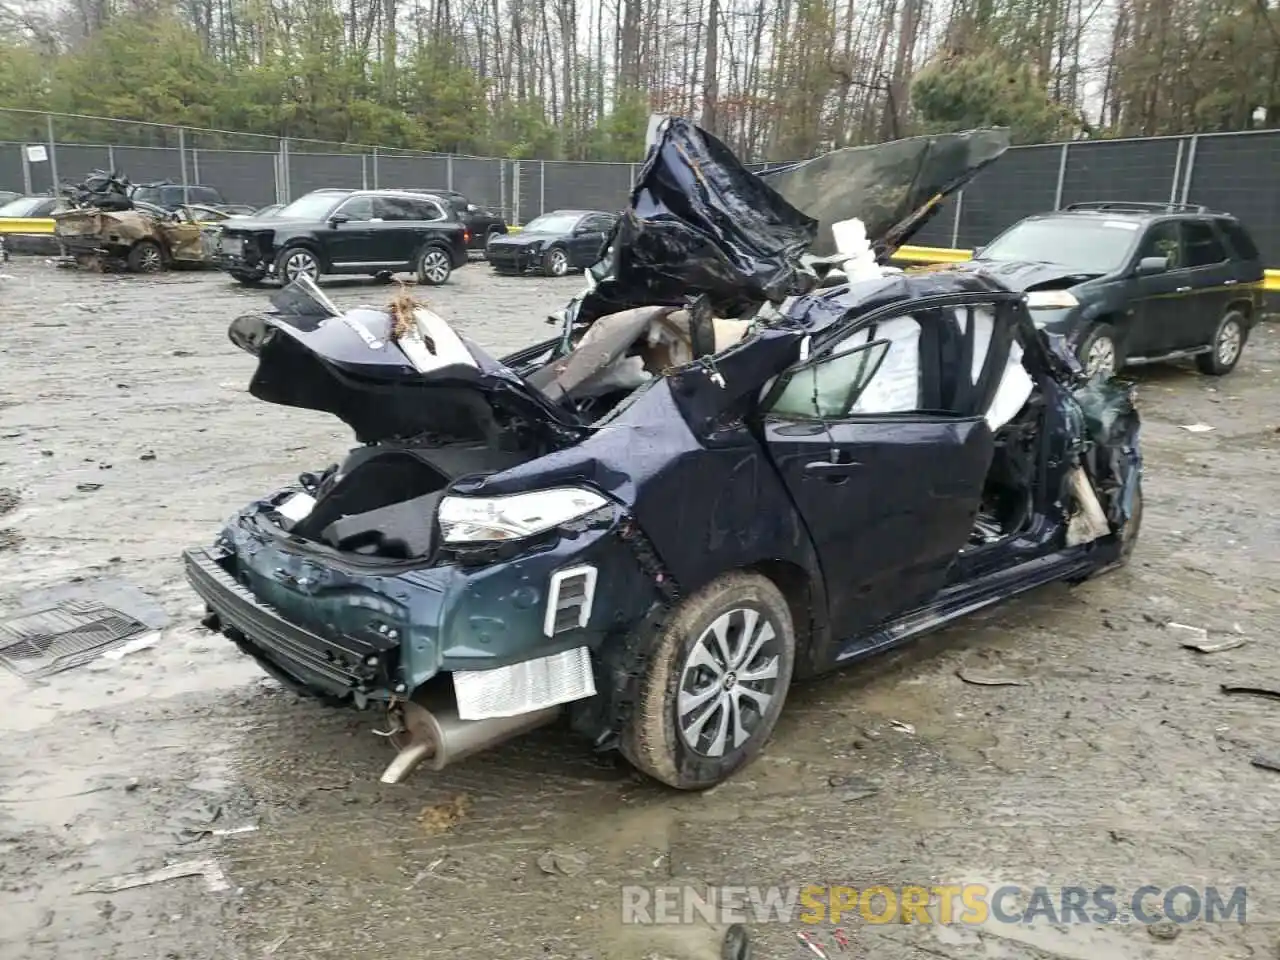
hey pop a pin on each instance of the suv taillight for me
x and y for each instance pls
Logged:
(466, 236)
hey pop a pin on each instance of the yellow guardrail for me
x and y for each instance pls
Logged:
(27, 225)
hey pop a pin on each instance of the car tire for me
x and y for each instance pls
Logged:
(688, 718)
(1099, 349)
(1228, 344)
(555, 262)
(294, 262)
(145, 256)
(434, 266)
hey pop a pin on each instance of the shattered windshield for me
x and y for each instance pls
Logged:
(553, 223)
(1084, 245)
(313, 206)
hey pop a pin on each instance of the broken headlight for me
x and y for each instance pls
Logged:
(490, 519)
(1051, 300)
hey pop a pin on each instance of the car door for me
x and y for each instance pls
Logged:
(1211, 276)
(1159, 303)
(886, 476)
(587, 239)
(347, 243)
(398, 236)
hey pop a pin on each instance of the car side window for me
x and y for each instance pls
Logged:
(393, 208)
(357, 209)
(1164, 239)
(1203, 248)
(829, 389)
(598, 223)
(428, 210)
(941, 361)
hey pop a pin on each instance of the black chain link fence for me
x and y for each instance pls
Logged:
(1235, 173)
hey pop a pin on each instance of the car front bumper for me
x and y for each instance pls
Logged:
(365, 633)
(516, 259)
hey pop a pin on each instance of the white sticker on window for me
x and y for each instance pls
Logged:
(1120, 224)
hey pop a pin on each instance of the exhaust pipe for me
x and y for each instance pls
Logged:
(440, 737)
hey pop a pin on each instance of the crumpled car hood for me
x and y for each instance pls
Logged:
(699, 222)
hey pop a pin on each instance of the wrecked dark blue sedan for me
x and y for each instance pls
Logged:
(721, 475)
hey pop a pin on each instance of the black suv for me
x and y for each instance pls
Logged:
(483, 223)
(1133, 283)
(376, 232)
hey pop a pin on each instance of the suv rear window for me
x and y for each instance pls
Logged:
(1240, 240)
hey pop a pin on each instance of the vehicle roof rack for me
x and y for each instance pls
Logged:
(1120, 205)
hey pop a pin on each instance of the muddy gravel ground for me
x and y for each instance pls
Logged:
(1118, 761)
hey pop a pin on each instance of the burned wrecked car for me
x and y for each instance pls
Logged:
(107, 228)
(719, 476)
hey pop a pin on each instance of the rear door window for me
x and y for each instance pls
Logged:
(1202, 246)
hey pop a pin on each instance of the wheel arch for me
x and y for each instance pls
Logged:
(1242, 305)
(806, 598)
(305, 243)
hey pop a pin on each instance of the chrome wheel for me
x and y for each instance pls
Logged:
(558, 263)
(1230, 340)
(1101, 359)
(436, 266)
(300, 263)
(150, 260)
(728, 681)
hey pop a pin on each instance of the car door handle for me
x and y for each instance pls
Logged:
(1228, 283)
(826, 470)
(1182, 290)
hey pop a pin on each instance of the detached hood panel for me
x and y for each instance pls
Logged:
(437, 383)
(893, 188)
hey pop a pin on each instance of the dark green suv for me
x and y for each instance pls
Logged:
(1133, 283)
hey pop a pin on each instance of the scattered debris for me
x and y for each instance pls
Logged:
(1229, 644)
(233, 831)
(149, 455)
(808, 941)
(904, 727)
(10, 539)
(569, 863)
(71, 625)
(1196, 427)
(437, 818)
(1199, 632)
(270, 950)
(144, 642)
(979, 680)
(9, 500)
(851, 789)
(1164, 929)
(1267, 762)
(208, 868)
(88, 487)
(1272, 693)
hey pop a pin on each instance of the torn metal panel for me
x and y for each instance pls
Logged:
(893, 188)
